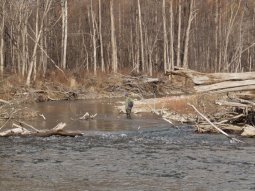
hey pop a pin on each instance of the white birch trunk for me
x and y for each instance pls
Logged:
(2, 40)
(64, 32)
(171, 36)
(101, 38)
(187, 36)
(178, 61)
(165, 42)
(113, 40)
(141, 35)
(94, 39)
(31, 65)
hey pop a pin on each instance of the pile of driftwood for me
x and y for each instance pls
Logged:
(20, 130)
(142, 85)
(239, 116)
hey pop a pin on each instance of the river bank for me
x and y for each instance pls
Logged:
(169, 98)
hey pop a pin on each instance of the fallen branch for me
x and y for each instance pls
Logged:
(87, 116)
(5, 102)
(9, 118)
(217, 128)
(21, 131)
(231, 119)
(36, 130)
(42, 116)
(167, 120)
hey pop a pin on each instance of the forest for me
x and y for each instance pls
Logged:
(109, 36)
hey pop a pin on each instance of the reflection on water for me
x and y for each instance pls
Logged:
(107, 119)
(155, 157)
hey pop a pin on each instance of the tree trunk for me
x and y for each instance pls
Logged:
(36, 34)
(94, 38)
(229, 30)
(64, 32)
(2, 40)
(31, 65)
(178, 61)
(141, 35)
(187, 36)
(165, 42)
(100, 37)
(113, 40)
(171, 36)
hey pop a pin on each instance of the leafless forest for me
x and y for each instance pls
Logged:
(146, 36)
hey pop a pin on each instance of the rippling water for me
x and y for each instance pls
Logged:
(154, 157)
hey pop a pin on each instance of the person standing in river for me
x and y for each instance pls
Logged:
(129, 103)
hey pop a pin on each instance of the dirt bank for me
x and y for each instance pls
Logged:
(168, 97)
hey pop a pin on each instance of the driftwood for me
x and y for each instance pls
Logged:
(242, 104)
(217, 82)
(227, 86)
(4, 101)
(58, 130)
(228, 128)
(53, 95)
(213, 125)
(232, 104)
(249, 131)
(247, 95)
(87, 116)
(199, 78)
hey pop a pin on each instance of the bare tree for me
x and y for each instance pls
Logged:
(141, 34)
(2, 38)
(113, 40)
(178, 61)
(187, 36)
(64, 32)
(31, 64)
(100, 36)
(166, 63)
(171, 36)
(94, 38)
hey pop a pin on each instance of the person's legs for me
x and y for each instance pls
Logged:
(128, 111)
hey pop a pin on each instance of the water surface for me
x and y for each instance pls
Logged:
(115, 153)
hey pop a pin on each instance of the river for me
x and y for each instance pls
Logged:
(115, 153)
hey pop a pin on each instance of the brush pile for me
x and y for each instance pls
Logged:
(238, 115)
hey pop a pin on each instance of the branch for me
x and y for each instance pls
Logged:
(21, 122)
(6, 102)
(217, 128)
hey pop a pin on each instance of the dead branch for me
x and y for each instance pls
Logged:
(41, 115)
(87, 116)
(231, 119)
(21, 131)
(5, 102)
(232, 104)
(9, 118)
(30, 126)
(217, 128)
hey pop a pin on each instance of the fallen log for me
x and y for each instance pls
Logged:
(227, 86)
(207, 128)
(234, 118)
(247, 95)
(23, 132)
(200, 78)
(5, 102)
(249, 131)
(232, 104)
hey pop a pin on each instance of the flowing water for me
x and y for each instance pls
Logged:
(115, 153)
